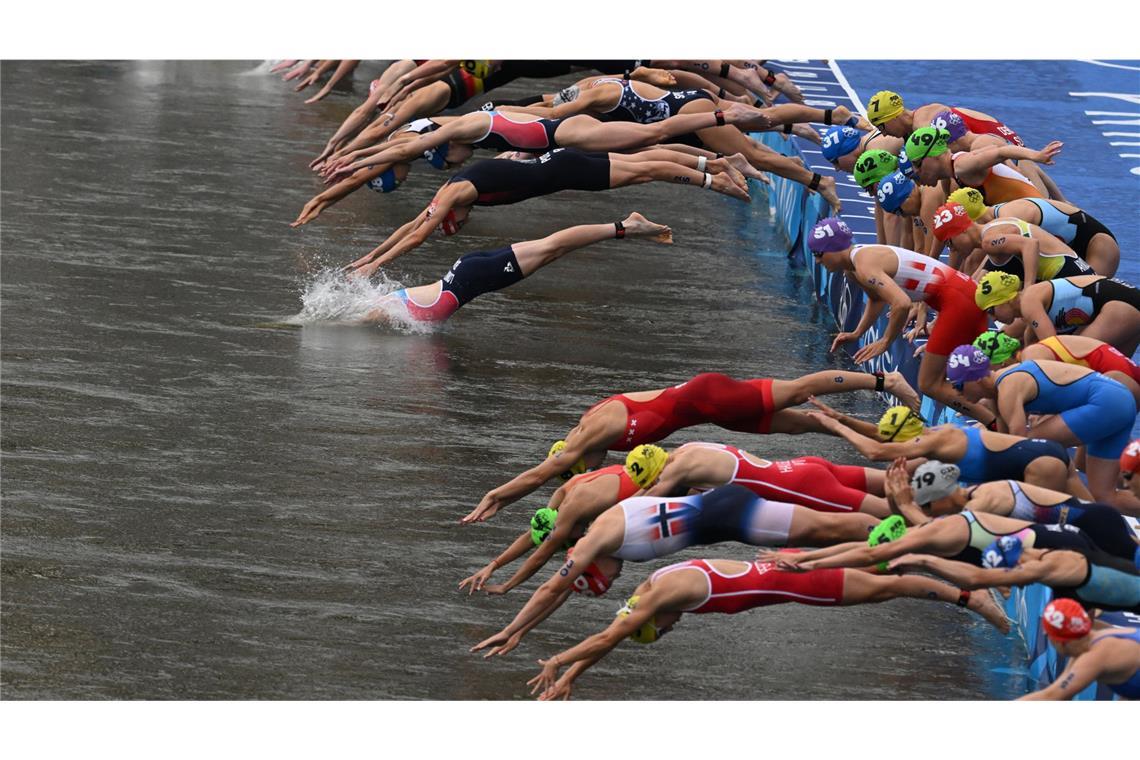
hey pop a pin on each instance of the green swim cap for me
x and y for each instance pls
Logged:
(998, 346)
(873, 165)
(889, 529)
(927, 142)
(541, 524)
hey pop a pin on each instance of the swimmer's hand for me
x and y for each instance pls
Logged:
(791, 563)
(896, 484)
(825, 409)
(476, 582)
(496, 589)
(560, 690)
(502, 649)
(486, 509)
(498, 639)
(310, 212)
(842, 338)
(871, 350)
(767, 555)
(1046, 154)
(828, 423)
(546, 679)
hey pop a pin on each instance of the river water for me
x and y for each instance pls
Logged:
(200, 503)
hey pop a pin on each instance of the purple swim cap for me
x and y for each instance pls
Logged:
(830, 234)
(966, 364)
(951, 122)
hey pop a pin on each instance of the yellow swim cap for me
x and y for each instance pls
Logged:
(644, 464)
(900, 424)
(996, 288)
(576, 469)
(647, 633)
(970, 198)
(883, 106)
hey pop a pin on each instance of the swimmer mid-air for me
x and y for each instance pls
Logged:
(474, 274)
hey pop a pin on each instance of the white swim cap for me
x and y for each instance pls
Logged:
(934, 480)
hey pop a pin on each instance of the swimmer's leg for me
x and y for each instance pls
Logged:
(1118, 325)
(1103, 254)
(691, 158)
(535, 254)
(1048, 472)
(864, 588)
(811, 528)
(624, 173)
(729, 140)
(786, 393)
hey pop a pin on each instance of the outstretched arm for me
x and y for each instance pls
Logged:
(518, 548)
(343, 69)
(540, 556)
(421, 76)
(967, 576)
(979, 161)
(873, 449)
(545, 599)
(580, 440)
(590, 650)
(323, 200)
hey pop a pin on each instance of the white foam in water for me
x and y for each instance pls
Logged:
(336, 296)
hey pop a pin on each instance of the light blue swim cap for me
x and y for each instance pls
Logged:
(839, 141)
(893, 191)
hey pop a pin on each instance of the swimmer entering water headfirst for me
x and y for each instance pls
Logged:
(474, 274)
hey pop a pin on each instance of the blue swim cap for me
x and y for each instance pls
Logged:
(839, 141)
(1004, 552)
(905, 166)
(437, 156)
(386, 182)
(893, 190)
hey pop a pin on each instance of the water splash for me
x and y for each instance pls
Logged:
(332, 295)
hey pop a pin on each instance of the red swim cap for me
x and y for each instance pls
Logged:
(1065, 620)
(592, 581)
(949, 220)
(1130, 459)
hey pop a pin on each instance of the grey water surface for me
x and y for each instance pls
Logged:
(201, 502)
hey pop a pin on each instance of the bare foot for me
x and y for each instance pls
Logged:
(721, 165)
(637, 225)
(746, 116)
(788, 87)
(896, 385)
(722, 183)
(740, 163)
(807, 133)
(983, 603)
(655, 77)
